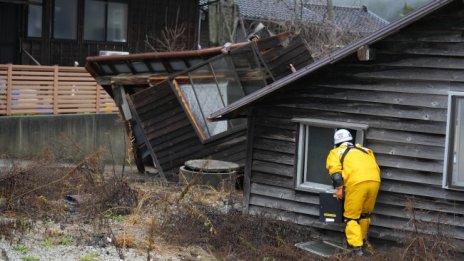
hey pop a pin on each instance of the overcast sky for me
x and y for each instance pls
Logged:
(388, 9)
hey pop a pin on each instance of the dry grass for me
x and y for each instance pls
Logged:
(428, 240)
(124, 241)
(194, 219)
(159, 217)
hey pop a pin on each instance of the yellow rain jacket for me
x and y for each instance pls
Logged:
(357, 165)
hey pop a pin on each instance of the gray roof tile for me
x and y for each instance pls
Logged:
(355, 19)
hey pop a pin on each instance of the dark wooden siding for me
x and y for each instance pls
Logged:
(145, 18)
(172, 137)
(402, 96)
(10, 24)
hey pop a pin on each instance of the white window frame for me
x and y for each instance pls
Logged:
(301, 157)
(450, 142)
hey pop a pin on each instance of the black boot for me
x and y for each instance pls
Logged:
(356, 251)
(367, 248)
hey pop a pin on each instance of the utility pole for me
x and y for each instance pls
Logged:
(330, 11)
(223, 22)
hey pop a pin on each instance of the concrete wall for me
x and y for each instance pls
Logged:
(66, 135)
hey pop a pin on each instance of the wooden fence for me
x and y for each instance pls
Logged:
(26, 89)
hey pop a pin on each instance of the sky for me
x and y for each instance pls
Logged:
(387, 9)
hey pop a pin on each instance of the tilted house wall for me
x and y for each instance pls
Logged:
(171, 136)
(400, 98)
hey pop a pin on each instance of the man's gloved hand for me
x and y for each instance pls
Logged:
(339, 193)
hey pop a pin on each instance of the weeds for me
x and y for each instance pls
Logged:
(90, 257)
(116, 218)
(190, 215)
(153, 229)
(428, 240)
(22, 249)
(37, 191)
(124, 240)
(234, 235)
(58, 241)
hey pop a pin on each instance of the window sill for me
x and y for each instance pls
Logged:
(314, 187)
(104, 42)
(454, 188)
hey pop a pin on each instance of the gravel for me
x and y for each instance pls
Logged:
(34, 246)
(81, 253)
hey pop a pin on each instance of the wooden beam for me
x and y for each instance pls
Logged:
(188, 110)
(129, 79)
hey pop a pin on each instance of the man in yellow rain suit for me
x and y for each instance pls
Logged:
(356, 177)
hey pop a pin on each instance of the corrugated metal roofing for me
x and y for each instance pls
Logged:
(335, 56)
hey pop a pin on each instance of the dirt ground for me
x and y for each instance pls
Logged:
(82, 211)
(121, 214)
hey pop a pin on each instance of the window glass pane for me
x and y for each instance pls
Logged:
(117, 22)
(94, 20)
(191, 99)
(205, 94)
(458, 151)
(65, 19)
(34, 21)
(208, 93)
(225, 75)
(319, 141)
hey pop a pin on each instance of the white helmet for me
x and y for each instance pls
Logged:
(342, 135)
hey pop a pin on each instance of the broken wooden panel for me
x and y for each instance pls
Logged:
(281, 60)
(170, 136)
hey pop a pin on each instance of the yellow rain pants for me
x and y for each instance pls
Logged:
(359, 203)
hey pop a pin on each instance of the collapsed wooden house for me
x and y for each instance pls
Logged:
(401, 92)
(165, 98)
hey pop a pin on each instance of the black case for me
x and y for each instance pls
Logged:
(330, 208)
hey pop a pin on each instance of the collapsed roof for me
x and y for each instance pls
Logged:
(157, 91)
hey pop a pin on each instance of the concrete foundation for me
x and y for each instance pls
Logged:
(68, 136)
